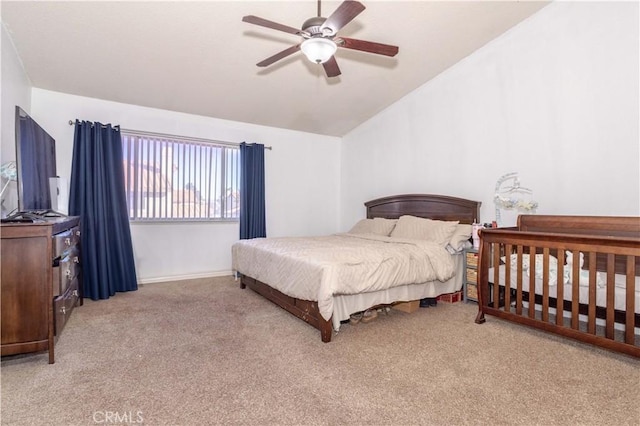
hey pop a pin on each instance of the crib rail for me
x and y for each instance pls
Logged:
(530, 286)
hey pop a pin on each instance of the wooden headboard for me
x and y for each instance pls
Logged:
(437, 207)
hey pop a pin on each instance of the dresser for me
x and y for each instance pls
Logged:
(41, 283)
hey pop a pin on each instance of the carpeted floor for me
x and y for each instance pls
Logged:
(205, 352)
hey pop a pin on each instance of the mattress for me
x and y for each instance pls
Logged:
(323, 268)
(601, 296)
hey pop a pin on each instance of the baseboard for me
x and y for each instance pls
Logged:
(184, 277)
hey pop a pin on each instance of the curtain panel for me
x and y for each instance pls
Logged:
(252, 192)
(97, 195)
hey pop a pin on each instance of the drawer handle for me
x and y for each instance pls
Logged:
(67, 241)
(75, 293)
(78, 233)
(63, 310)
(76, 259)
(67, 273)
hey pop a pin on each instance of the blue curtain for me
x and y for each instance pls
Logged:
(252, 200)
(97, 195)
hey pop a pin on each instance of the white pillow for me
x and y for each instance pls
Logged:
(417, 228)
(460, 237)
(378, 226)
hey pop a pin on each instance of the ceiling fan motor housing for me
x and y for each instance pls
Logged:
(313, 26)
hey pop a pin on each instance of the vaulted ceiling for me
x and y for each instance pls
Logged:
(200, 58)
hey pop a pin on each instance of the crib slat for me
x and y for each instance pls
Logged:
(560, 289)
(532, 281)
(575, 290)
(545, 284)
(631, 291)
(611, 286)
(507, 291)
(496, 285)
(519, 285)
(591, 320)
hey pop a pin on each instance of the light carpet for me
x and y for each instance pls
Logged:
(206, 352)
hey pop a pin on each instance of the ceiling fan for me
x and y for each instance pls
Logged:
(320, 40)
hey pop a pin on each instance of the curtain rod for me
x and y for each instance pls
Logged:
(168, 136)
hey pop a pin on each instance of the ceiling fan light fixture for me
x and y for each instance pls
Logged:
(318, 49)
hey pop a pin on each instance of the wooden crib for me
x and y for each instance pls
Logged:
(576, 276)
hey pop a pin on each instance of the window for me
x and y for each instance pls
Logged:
(172, 178)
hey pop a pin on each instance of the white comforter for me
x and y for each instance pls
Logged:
(317, 268)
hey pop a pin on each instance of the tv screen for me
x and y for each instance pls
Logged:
(35, 163)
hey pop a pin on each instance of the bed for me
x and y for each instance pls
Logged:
(254, 260)
(575, 276)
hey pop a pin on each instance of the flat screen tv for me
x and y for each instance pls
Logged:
(35, 163)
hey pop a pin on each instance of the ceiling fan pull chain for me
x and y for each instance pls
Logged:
(319, 9)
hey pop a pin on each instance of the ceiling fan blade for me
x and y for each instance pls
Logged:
(344, 14)
(286, 52)
(367, 46)
(270, 24)
(331, 67)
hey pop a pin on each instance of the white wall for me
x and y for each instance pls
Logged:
(555, 99)
(302, 181)
(14, 90)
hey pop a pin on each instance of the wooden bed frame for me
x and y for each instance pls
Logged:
(437, 207)
(610, 244)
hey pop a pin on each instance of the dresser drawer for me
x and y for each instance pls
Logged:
(65, 240)
(63, 305)
(472, 276)
(472, 291)
(66, 270)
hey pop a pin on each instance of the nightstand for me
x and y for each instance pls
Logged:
(470, 286)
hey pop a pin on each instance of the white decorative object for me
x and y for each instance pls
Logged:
(8, 171)
(509, 195)
(475, 228)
